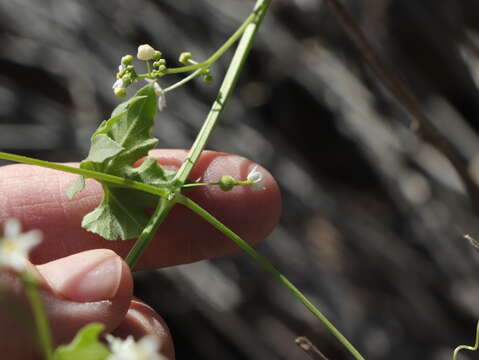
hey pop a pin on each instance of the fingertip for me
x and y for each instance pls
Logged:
(91, 286)
(250, 214)
(65, 315)
(254, 210)
(89, 276)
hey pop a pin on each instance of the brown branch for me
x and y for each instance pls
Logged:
(308, 347)
(421, 124)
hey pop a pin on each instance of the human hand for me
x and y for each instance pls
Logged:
(96, 285)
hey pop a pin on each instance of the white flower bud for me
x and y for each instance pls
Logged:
(161, 96)
(255, 178)
(118, 84)
(145, 52)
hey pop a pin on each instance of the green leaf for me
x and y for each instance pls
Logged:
(85, 345)
(76, 187)
(116, 145)
(120, 215)
(119, 111)
(103, 148)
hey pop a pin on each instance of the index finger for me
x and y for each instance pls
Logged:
(37, 197)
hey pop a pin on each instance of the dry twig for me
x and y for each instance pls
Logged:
(421, 124)
(308, 347)
(472, 241)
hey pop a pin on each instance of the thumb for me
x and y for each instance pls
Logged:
(92, 286)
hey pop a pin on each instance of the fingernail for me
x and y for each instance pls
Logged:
(85, 277)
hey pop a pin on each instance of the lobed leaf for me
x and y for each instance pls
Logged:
(115, 146)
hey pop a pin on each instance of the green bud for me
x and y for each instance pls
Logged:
(226, 183)
(127, 59)
(120, 92)
(185, 58)
(157, 55)
(162, 68)
(159, 63)
(208, 78)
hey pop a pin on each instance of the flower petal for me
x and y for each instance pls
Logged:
(12, 228)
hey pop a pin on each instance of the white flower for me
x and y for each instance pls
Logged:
(255, 178)
(118, 84)
(161, 96)
(145, 349)
(15, 246)
(158, 92)
(145, 52)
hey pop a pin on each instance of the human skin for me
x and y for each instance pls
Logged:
(83, 277)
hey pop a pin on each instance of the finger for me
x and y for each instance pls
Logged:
(141, 320)
(37, 197)
(93, 286)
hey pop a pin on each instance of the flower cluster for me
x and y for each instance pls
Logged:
(15, 246)
(127, 75)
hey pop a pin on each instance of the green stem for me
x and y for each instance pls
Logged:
(192, 185)
(218, 53)
(183, 81)
(190, 204)
(41, 321)
(163, 208)
(465, 347)
(89, 174)
(249, 28)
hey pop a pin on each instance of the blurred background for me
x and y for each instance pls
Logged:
(373, 217)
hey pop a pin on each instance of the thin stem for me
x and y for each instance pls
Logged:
(251, 26)
(218, 53)
(183, 81)
(190, 204)
(465, 347)
(421, 124)
(102, 177)
(192, 185)
(163, 208)
(41, 321)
